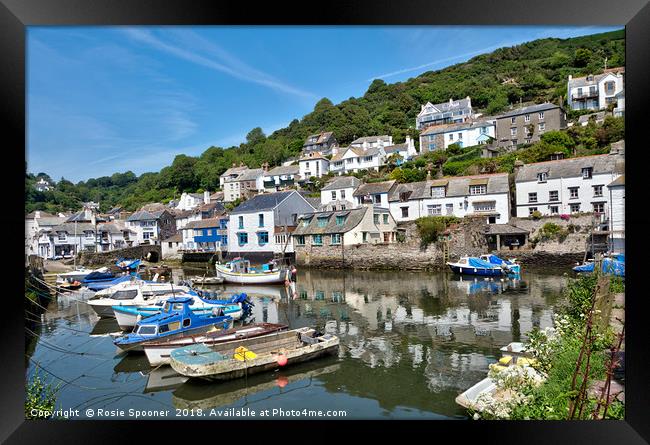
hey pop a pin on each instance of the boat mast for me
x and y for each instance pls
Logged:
(75, 245)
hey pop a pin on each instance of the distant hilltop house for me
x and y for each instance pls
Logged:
(244, 184)
(598, 118)
(454, 111)
(42, 185)
(321, 142)
(281, 177)
(597, 92)
(405, 151)
(478, 195)
(189, 201)
(464, 134)
(525, 125)
(313, 164)
(567, 186)
(231, 173)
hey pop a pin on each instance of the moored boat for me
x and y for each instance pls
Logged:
(614, 265)
(127, 264)
(240, 271)
(158, 351)
(174, 321)
(78, 274)
(205, 280)
(509, 266)
(97, 285)
(475, 266)
(235, 307)
(265, 353)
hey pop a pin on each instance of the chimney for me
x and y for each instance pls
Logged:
(518, 165)
(234, 164)
(206, 197)
(450, 101)
(265, 166)
(241, 164)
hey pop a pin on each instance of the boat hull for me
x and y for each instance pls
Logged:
(250, 278)
(138, 346)
(159, 353)
(479, 271)
(128, 319)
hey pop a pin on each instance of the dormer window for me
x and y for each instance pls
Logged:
(587, 172)
(478, 189)
(542, 177)
(437, 192)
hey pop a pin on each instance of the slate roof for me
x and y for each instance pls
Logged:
(582, 81)
(176, 238)
(445, 128)
(313, 155)
(203, 224)
(283, 170)
(265, 201)
(51, 221)
(143, 215)
(455, 186)
(620, 181)
(504, 229)
(314, 202)
(234, 171)
(43, 214)
(70, 228)
(444, 107)
(527, 110)
(572, 167)
(373, 188)
(112, 227)
(342, 182)
(250, 175)
(215, 205)
(370, 139)
(353, 218)
(599, 116)
(322, 138)
(395, 148)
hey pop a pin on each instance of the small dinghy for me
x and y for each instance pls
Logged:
(240, 271)
(265, 353)
(177, 320)
(97, 285)
(158, 351)
(206, 280)
(125, 264)
(475, 266)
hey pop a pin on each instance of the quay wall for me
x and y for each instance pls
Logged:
(467, 238)
(104, 258)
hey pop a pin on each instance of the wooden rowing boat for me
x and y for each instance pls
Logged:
(265, 353)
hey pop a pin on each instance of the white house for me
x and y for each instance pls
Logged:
(172, 246)
(281, 177)
(595, 92)
(38, 224)
(405, 151)
(354, 159)
(367, 142)
(42, 185)
(617, 214)
(151, 226)
(454, 111)
(245, 184)
(477, 195)
(465, 134)
(232, 173)
(263, 223)
(189, 201)
(313, 164)
(114, 235)
(338, 193)
(374, 193)
(567, 185)
(619, 110)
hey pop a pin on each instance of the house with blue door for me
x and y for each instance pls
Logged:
(262, 225)
(203, 235)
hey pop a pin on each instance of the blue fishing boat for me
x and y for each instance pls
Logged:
(510, 266)
(614, 265)
(98, 275)
(125, 264)
(236, 307)
(476, 266)
(175, 320)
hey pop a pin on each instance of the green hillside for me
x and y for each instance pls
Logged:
(534, 71)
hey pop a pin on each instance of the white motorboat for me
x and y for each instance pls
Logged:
(240, 271)
(133, 293)
(77, 275)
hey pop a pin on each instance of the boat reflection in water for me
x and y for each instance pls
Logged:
(105, 327)
(195, 394)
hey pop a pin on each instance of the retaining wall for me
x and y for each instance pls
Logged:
(103, 258)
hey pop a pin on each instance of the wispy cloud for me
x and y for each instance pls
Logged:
(439, 61)
(212, 56)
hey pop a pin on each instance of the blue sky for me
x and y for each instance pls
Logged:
(107, 99)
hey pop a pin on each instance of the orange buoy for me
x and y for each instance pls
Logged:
(282, 360)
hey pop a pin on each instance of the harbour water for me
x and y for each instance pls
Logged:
(410, 343)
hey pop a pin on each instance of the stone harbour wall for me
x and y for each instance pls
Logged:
(109, 258)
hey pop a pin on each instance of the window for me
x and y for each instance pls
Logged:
(349, 160)
(541, 115)
(554, 210)
(451, 137)
(574, 208)
(532, 197)
(434, 209)
(365, 237)
(599, 207)
(340, 220)
(241, 222)
(542, 126)
(261, 219)
(62, 236)
(322, 221)
(437, 192)
(317, 240)
(342, 194)
(300, 240)
(513, 119)
(243, 238)
(169, 245)
(487, 206)
(573, 192)
(367, 159)
(527, 118)
(262, 238)
(375, 219)
(334, 196)
(336, 239)
(147, 235)
(587, 172)
(579, 92)
(432, 147)
(598, 190)
(513, 131)
(405, 212)
(531, 210)
(187, 322)
(553, 195)
(478, 189)
(460, 136)
(385, 215)
(542, 177)
(149, 330)
(449, 209)
(89, 234)
(124, 294)
(609, 87)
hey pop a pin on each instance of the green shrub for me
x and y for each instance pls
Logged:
(536, 214)
(40, 396)
(431, 227)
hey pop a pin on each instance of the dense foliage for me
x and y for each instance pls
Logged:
(40, 397)
(431, 227)
(534, 71)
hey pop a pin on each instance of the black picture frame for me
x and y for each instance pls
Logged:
(15, 15)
